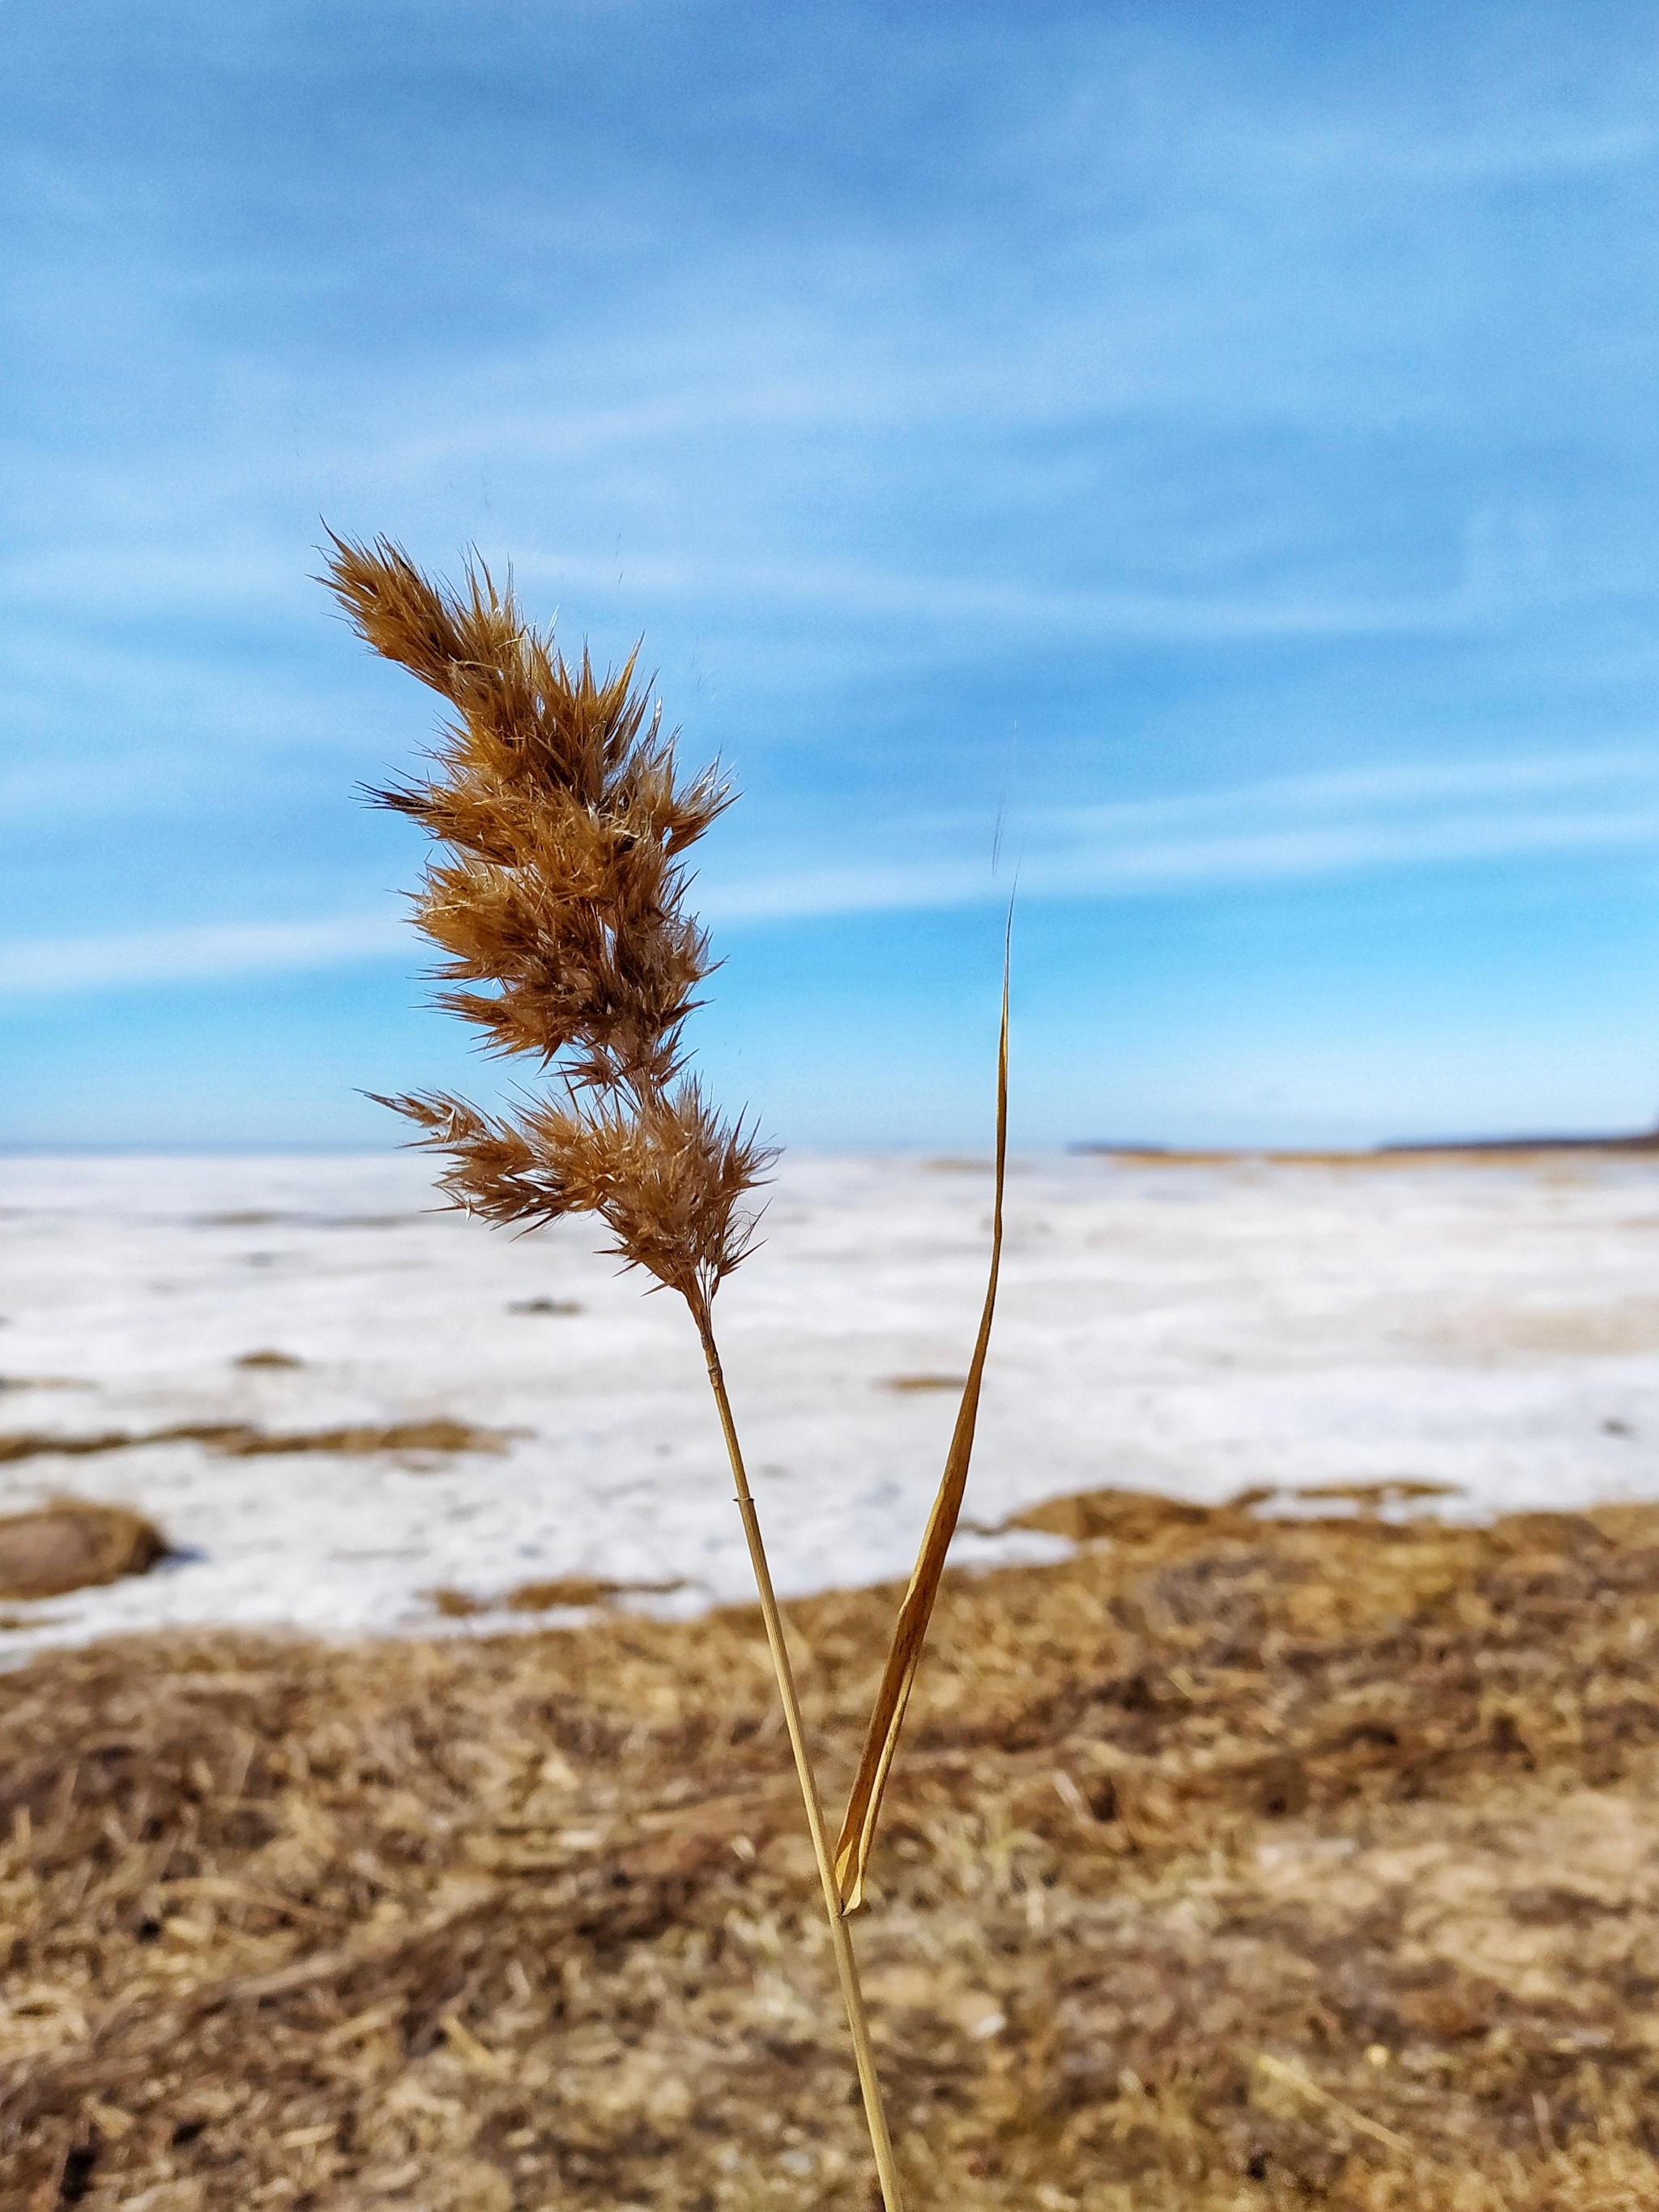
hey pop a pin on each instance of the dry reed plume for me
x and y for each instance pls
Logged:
(558, 898)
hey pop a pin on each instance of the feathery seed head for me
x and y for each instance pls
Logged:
(664, 1175)
(556, 892)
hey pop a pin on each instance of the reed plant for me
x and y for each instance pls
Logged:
(557, 895)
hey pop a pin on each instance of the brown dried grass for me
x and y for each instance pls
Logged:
(573, 1591)
(1234, 1863)
(241, 1440)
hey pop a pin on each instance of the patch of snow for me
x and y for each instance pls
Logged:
(1195, 1329)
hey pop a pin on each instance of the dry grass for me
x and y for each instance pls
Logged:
(575, 1592)
(1232, 1864)
(241, 1440)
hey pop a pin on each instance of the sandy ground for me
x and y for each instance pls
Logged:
(1229, 1865)
(1196, 1329)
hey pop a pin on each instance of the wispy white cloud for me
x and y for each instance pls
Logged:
(1287, 399)
(1016, 607)
(1365, 151)
(49, 967)
(1498, 580)
(709, 585)
(1279, 829)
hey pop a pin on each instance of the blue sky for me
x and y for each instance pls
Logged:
(1217, 444)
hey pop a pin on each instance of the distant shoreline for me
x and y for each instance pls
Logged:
(1501, 1148)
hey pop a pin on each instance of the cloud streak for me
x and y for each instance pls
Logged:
(1280, 829)
(1206, 402)
(1284, 830)
(123, 960)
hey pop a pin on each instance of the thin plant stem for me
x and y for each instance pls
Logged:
(840, 1937)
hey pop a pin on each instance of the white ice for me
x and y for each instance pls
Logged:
(1192, 1328)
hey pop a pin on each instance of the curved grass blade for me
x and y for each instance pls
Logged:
(858, 1832)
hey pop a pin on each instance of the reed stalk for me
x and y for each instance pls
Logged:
(847, 1965)
(557, 897)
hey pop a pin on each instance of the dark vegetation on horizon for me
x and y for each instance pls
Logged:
(1645, 1140)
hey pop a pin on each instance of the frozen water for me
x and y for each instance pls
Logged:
(1194, 1329)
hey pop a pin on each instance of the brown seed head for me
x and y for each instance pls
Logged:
(556, 894)
(560, 821)
(665, 1175)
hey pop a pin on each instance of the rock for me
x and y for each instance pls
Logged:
(71, 1545)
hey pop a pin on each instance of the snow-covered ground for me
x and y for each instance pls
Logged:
(1190, 1329)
